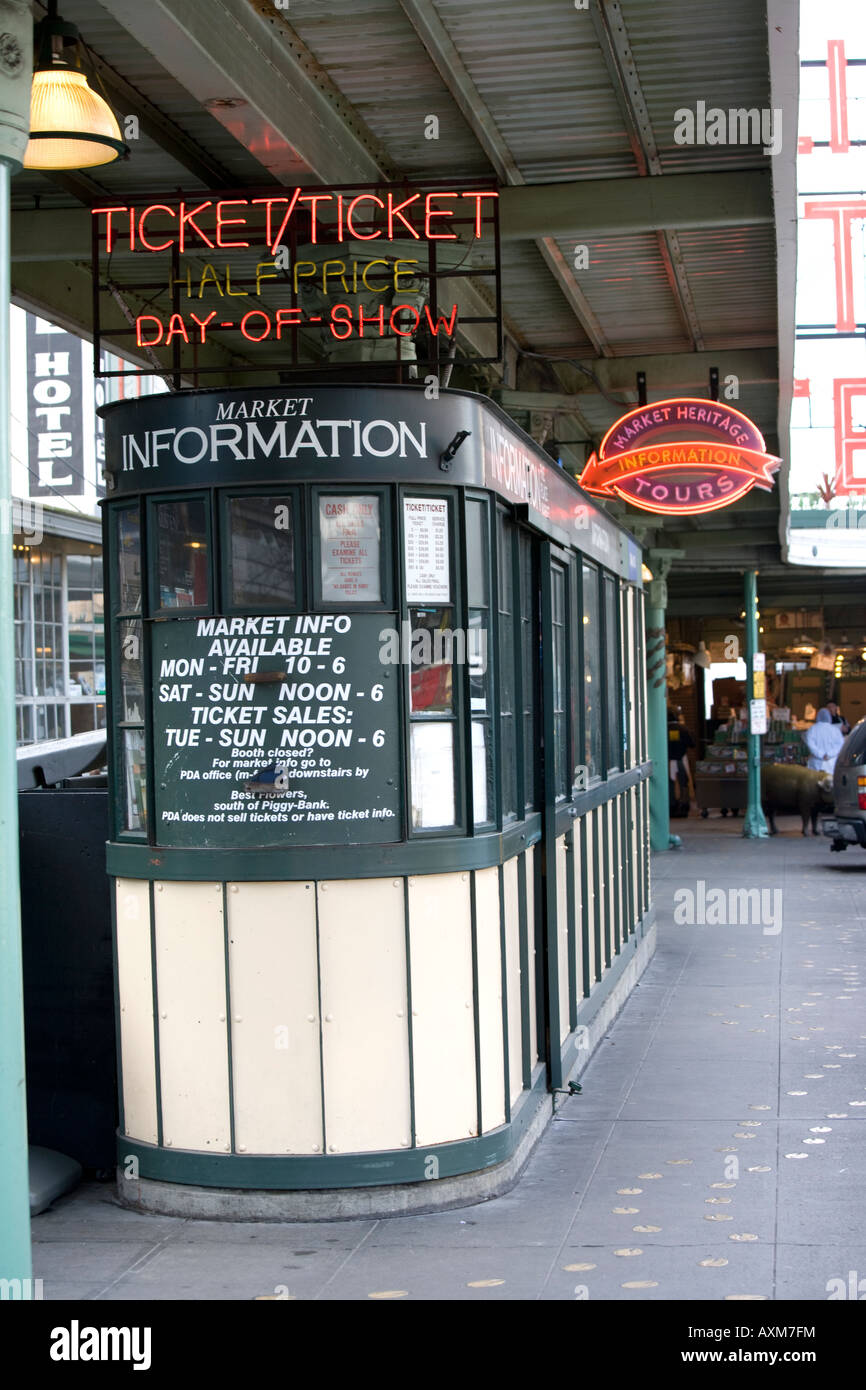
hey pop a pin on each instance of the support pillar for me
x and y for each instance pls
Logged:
(15, 1258)
(657, 705)
(754, 824)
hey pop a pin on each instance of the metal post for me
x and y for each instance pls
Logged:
(15, 1260)
(754, 824)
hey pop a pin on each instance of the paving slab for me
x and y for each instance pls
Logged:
(717, 1151)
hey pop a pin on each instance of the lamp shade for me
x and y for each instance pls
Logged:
(71, 126)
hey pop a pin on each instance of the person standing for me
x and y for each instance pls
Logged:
(823, 741)
(838, 717)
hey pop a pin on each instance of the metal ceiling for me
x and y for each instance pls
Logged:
(243, 92)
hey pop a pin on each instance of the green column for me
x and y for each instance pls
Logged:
(657, 715)
(754, 824)
(14, 1178)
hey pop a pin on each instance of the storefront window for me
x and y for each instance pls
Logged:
(128, 540)
(262, 549)
(592, 691)
(182, 553)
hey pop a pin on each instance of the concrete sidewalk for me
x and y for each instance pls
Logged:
(718, 1149)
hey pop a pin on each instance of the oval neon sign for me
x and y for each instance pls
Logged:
(680, 456)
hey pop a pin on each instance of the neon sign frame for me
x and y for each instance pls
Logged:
(665, 457)
(172, 231)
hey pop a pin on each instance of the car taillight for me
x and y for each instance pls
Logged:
(861, 800)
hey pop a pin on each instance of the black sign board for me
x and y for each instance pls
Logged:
(275, 731)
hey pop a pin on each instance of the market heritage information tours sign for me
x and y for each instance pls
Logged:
(680, 456)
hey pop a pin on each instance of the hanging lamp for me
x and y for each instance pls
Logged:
(71, 126)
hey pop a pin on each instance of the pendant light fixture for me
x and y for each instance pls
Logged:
(71, 126)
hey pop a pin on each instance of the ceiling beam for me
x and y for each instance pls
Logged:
(242, 61)
(445, 57)
(613, 39)
(594, 208)
(680, 373)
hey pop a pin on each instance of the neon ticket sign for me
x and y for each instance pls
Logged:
(306, 270)
(680, 456)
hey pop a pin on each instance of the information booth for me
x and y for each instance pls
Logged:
(379, 804)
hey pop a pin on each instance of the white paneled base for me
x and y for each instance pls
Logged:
(135, 992)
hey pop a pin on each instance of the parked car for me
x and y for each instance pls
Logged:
(848, 825)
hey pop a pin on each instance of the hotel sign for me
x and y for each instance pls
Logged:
(679, 457)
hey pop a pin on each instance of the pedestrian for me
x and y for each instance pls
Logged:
(679, 742)
(823, 741)
(838, 717)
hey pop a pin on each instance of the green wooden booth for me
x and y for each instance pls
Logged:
(379, 800)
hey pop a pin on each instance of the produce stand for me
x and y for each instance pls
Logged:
(721, 781)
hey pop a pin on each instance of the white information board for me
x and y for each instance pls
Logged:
(349, 537)
(757, 716)
(425, 530)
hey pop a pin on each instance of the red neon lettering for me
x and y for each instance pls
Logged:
(478, 197)
(251, 337)
(344, 318)
(190, 218)
(138, 323)
(203, 323)
(849, 439)
(269, 203)
(176, 325)
(285, 222)
(397, 211)
(362, 197)
(378, 317)
(407, 333)
(313, 199)
(148, 246)
(836, 72)
(229, 222)
(98, 212)
(441, 322)
(842, 213)
(284, 316)
(430, 211)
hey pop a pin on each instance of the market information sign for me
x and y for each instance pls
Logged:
(425, 529)
(275, 731)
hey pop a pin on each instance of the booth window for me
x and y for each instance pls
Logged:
(507, 729)
(261, 551)
(476, 657)
(182, 546)
(528, 665)
(129, 692)
(350, 548)
(615, 697)
(432, 696)
(558, 672)
(592, 691)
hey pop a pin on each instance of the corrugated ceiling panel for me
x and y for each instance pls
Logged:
(374, 56)
(627, 287)
(731, 273)
(540, 71)
(688, 51)
(535, 304)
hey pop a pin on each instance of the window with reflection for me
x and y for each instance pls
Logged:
(262, 551)
(613, 676)
(558, 672)
(528, 665)
(507, 719)
(593, 695)
(182, 553)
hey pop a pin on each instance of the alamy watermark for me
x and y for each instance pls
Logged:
(737, 126)
(729, 907)
(421, 646)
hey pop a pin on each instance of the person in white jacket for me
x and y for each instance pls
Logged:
(823, 741)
